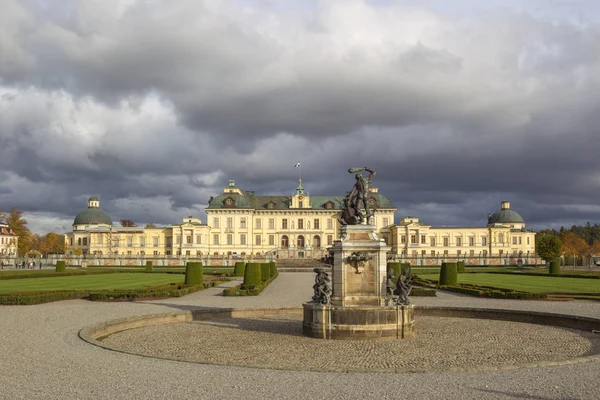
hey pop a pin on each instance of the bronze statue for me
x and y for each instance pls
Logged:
(322, 287)
(359, 195)
(403, 288)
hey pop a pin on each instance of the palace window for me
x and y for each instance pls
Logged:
(243, 222)
(423, 253)
(471, 241)
(386, 222)
(271, 240)
(432, 240)
(484, 240)
(519, 239)
(500, 238)
(446, 240)
(316, 224)
(485, 253)
(215, 222)
(413, 239)
(271, 223)
(257, 240)
(129, 252)
(100, 239)
(177, 239)
(300, 241)
(514, 240)
(229, 222)
(445, 252)
(155, 252)
(300, 223)
(285, 241)
(155, 241)
(329, 240)
(78, 241)
(458, 241)
(284, 224)
(258, 223)
(230, 239)
(215, 239)
(402, 238)
(423, 239)
(330, 223)
(189, 239)
(501, 252)
(316, 241)
(415, 253)
(432, 253)
(85, 241)
(472, 253)
(300, 204)
(142, 241)
(188, 253)
(198, 239)
(528, 240)
(243, 239)
(458, 253)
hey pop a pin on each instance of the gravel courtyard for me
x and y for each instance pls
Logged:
(43, 358)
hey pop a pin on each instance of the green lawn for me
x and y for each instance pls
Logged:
(527, 283)
(90, 282)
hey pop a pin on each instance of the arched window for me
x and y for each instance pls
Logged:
(300, 241)
(316, 241)
(285, 242)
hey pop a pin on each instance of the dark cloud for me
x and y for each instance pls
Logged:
(154, 106)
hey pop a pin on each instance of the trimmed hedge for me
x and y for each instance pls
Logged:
(30, 298)
(422, 292)
(252, 275)
(554, 268)
(240, 267)
(50, 274)
(272, 268)
(460, 266)
(395, 266)
(249, 291)
(448, 274)
(148, 266)
(541, 273)
(61, 266)
(265, 271)
(193, 273)
(172, 290)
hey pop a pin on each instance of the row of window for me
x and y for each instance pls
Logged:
(458, 240)
(316, 224)
(7, 240)
(459, 253)
(285, 241)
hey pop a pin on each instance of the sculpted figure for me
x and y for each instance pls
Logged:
(322, 287)
(357, 198)
(403, 288)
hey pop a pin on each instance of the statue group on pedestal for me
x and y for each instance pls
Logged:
(357, 198)
(322, 287)
(398, 292)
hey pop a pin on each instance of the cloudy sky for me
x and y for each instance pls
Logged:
(153, 105)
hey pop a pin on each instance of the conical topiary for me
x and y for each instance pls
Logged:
(240, 267)
(448, 274)
(61, 266)
(251, 275)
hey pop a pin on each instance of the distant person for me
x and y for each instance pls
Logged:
(40, 264)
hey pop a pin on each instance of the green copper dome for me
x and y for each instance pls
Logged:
(93, 215)
(505, 215)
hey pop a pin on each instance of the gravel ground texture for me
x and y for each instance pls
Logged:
(439, 343)
(41, 357)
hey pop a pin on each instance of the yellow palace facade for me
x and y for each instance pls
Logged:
(241, 224)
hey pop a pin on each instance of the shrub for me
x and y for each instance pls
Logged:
(448, 274)
(148, 266)
(252, 275)
(240, 267)
(193, 273)
(61, 266)
(249, 290)
(265, 271)
(395, 266)
(422, 292)
(460, 266)
(272, 268)
(554, 268)
(405, 266)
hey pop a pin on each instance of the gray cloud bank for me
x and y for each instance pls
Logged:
(154, 105)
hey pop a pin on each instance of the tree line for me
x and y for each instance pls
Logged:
(31, 242)
(572, 244)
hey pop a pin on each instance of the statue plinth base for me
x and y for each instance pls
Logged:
(358, 322)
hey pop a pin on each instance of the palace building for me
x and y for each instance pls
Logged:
(244, 224)
(8, 243)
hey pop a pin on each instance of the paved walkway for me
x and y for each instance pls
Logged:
(41, 357)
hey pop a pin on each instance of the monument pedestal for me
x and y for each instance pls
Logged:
(357, 309)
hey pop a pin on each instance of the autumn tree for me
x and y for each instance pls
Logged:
(127, 223)
(19, 226)
(573, 245)
(150, 225)
(49, 243)
(548, 247)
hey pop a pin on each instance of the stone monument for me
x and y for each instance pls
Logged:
(356, 306)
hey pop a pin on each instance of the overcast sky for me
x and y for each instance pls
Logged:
(154, 105)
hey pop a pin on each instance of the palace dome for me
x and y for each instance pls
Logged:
(505, 215)
(93, 215)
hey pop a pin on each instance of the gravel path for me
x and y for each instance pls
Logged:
(278, 342)
(41, 357)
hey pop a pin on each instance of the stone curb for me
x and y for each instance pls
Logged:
(93, 334)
